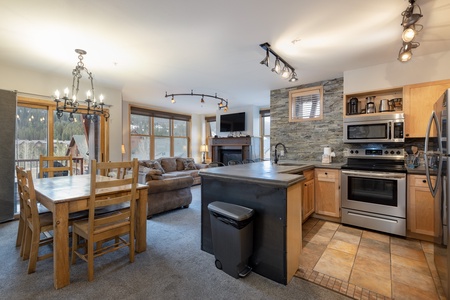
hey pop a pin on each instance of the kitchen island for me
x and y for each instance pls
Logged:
(274, 193)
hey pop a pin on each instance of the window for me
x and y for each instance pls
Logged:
(265, 133)
(306, 104)
(210, 132)
(39, 131)
(155, 134)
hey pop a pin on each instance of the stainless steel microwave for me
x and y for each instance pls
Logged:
(379, 128)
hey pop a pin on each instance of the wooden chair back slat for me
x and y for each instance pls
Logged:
(47, 165)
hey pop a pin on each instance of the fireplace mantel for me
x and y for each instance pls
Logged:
(231, 141)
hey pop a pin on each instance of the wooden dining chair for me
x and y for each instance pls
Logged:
(34, 223)
(248, 161)
(50, 166)
(215, 164)
(107, 227)
(116, 170)
(22, 217)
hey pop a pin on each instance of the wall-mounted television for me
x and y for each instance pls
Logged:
(232, 122)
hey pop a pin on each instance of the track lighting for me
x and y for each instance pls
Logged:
(293, 77)
(265, 61)
(405, 53)
(287, 71)
(223, 104)
(411, 15)
(277, 67)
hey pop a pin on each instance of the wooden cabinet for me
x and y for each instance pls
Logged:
(327, 187)
(308, 194)
(423, 211)
(418, 102)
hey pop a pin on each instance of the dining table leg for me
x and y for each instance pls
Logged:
(141, 221)
(61, 267)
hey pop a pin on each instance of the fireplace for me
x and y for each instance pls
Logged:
(229, 154)
(234, 148)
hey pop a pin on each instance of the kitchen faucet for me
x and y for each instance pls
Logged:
(276, 155)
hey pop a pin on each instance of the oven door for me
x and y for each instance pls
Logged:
(367, 132)
(374, 192)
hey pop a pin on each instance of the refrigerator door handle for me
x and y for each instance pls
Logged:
(434, 118)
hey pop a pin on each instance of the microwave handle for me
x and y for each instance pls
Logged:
(390, 128)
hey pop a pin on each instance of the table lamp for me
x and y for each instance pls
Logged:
(204, 149)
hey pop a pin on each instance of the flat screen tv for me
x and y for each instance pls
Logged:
(232, 122)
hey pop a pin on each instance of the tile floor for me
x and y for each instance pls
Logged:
(368, 265)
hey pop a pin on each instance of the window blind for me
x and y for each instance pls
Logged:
(307, 106)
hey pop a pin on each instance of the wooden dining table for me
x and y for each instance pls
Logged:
(69, 194)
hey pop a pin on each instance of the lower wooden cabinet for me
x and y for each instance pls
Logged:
(327, 187)
(423, 211)
(308, 194)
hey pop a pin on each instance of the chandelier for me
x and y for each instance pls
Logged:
(222, 104)
(411, 15)
(287, 71)
(70, 104)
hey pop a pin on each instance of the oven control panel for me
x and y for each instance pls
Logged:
(383, 153)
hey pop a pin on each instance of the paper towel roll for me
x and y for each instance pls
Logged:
(327, 150)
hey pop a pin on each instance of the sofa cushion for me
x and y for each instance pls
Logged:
(180, 163)
(154, 164)
(169, 164)
(189, 164)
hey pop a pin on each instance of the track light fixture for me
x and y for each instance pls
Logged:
(287, 71)
(411, 15)
(222, 104)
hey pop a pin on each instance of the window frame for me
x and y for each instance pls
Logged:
(152, 114)
(305, 92)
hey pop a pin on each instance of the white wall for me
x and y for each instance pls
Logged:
(251, 120)
(29, 82)
(396, 74)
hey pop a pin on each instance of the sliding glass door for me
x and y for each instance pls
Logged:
(40, 131)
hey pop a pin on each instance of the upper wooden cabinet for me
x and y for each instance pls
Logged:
(418, 101)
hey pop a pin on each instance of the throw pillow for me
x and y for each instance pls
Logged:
(154, 164)
(189, 164)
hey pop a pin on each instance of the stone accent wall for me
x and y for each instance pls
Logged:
(306, 140)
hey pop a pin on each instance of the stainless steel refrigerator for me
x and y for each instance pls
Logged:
(437, 162)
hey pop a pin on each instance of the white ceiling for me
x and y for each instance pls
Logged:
(148, 47)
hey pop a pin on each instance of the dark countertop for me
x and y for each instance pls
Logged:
(420, 170)
(285, 173)
(260, 172)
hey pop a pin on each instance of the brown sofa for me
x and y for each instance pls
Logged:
(169, 181)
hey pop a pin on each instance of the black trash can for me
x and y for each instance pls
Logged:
(232, 237)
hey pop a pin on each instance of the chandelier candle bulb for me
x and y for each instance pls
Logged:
(57, 94)
(66, 92)
(101, 98)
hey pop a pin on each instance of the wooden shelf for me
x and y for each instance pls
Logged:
(379, 95)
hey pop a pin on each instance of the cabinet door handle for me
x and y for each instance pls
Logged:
(424, 181)
(326, 173)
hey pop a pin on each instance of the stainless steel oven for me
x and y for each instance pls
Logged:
(374, 190)
(384, 128)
